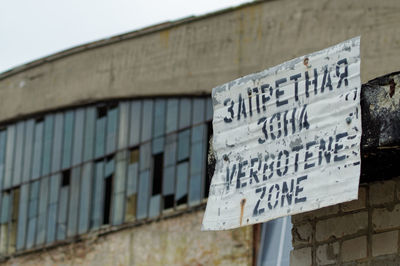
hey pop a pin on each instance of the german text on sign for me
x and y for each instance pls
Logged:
(287, 139)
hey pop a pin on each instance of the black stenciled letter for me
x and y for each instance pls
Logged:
(230, 110)
(279, 92)
(342, 76)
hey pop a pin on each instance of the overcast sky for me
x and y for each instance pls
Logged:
(33, 29)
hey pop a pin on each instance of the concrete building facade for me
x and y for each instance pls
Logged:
(103, 146)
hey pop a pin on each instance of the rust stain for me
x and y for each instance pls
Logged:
(305, 61)
(242, 203)
(392, 88)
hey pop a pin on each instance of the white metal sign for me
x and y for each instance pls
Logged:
(287, 139)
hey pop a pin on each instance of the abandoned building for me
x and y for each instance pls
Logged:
(103, 147)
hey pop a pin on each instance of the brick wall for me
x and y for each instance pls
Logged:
(361, 232)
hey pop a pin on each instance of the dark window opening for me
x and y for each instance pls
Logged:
(101, 111)
(182, 200)
(157, 173)
(169, 201)
(210, 161)
(66, 178)
(39, 119)
(107, 199)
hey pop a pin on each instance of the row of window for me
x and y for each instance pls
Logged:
(70, 172)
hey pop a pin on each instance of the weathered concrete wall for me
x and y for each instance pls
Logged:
(175, 241)
(361, 232)
(193, 56)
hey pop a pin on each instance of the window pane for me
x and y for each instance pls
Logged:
(185, 111)
(57, 142)
(145, 156)
(22, 216)
(53, 202)
(100, 135)
(182, 183)
(90, 121)
(32, 213)
(112, 123)
(123, 127)
(78, 136)
(198, 111)
(119, 188)
(172, 115)
(97, 202)
(143, 194)
(42, 215)
(147, 120)
(168, 181)
(209, 109)
(277, 231)
(183, 145)
(62, 213)
(85, 195)
(170, 150)
(197, 163)
(159, 118)
(67, 142)
(74, 201)
(5, 208)
(19, 146)
(9, 156)
(47, 143)
(135, 122)
(154, 210)
(37, 149)
(158, 145)
(3, 138)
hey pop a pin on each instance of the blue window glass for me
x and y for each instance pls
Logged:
(159, 118)
(182, 183)
(62, 213)
(3, 138)
(185, 111)
(119, 188)
(67, 141)
(90, 121)
(19, 147)
(22, 216)
(145, 156)
(135, 122)
(47, 143)
(183, 145)
(97, 199)
(143, 194)
(197, 163)
(123, 127)
(199, 113)
(9, 156)
(209, 109)
(37, 149)
(52, 208)
(77, 148)
(276, 243)
(74, 201)
(100, 131)
(147, 120)
(42, 214)
(84, 199)
(172, 115)
(112, 124)
(32, 213)
(57, 142)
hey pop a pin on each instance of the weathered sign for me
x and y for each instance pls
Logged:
(287, 139)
